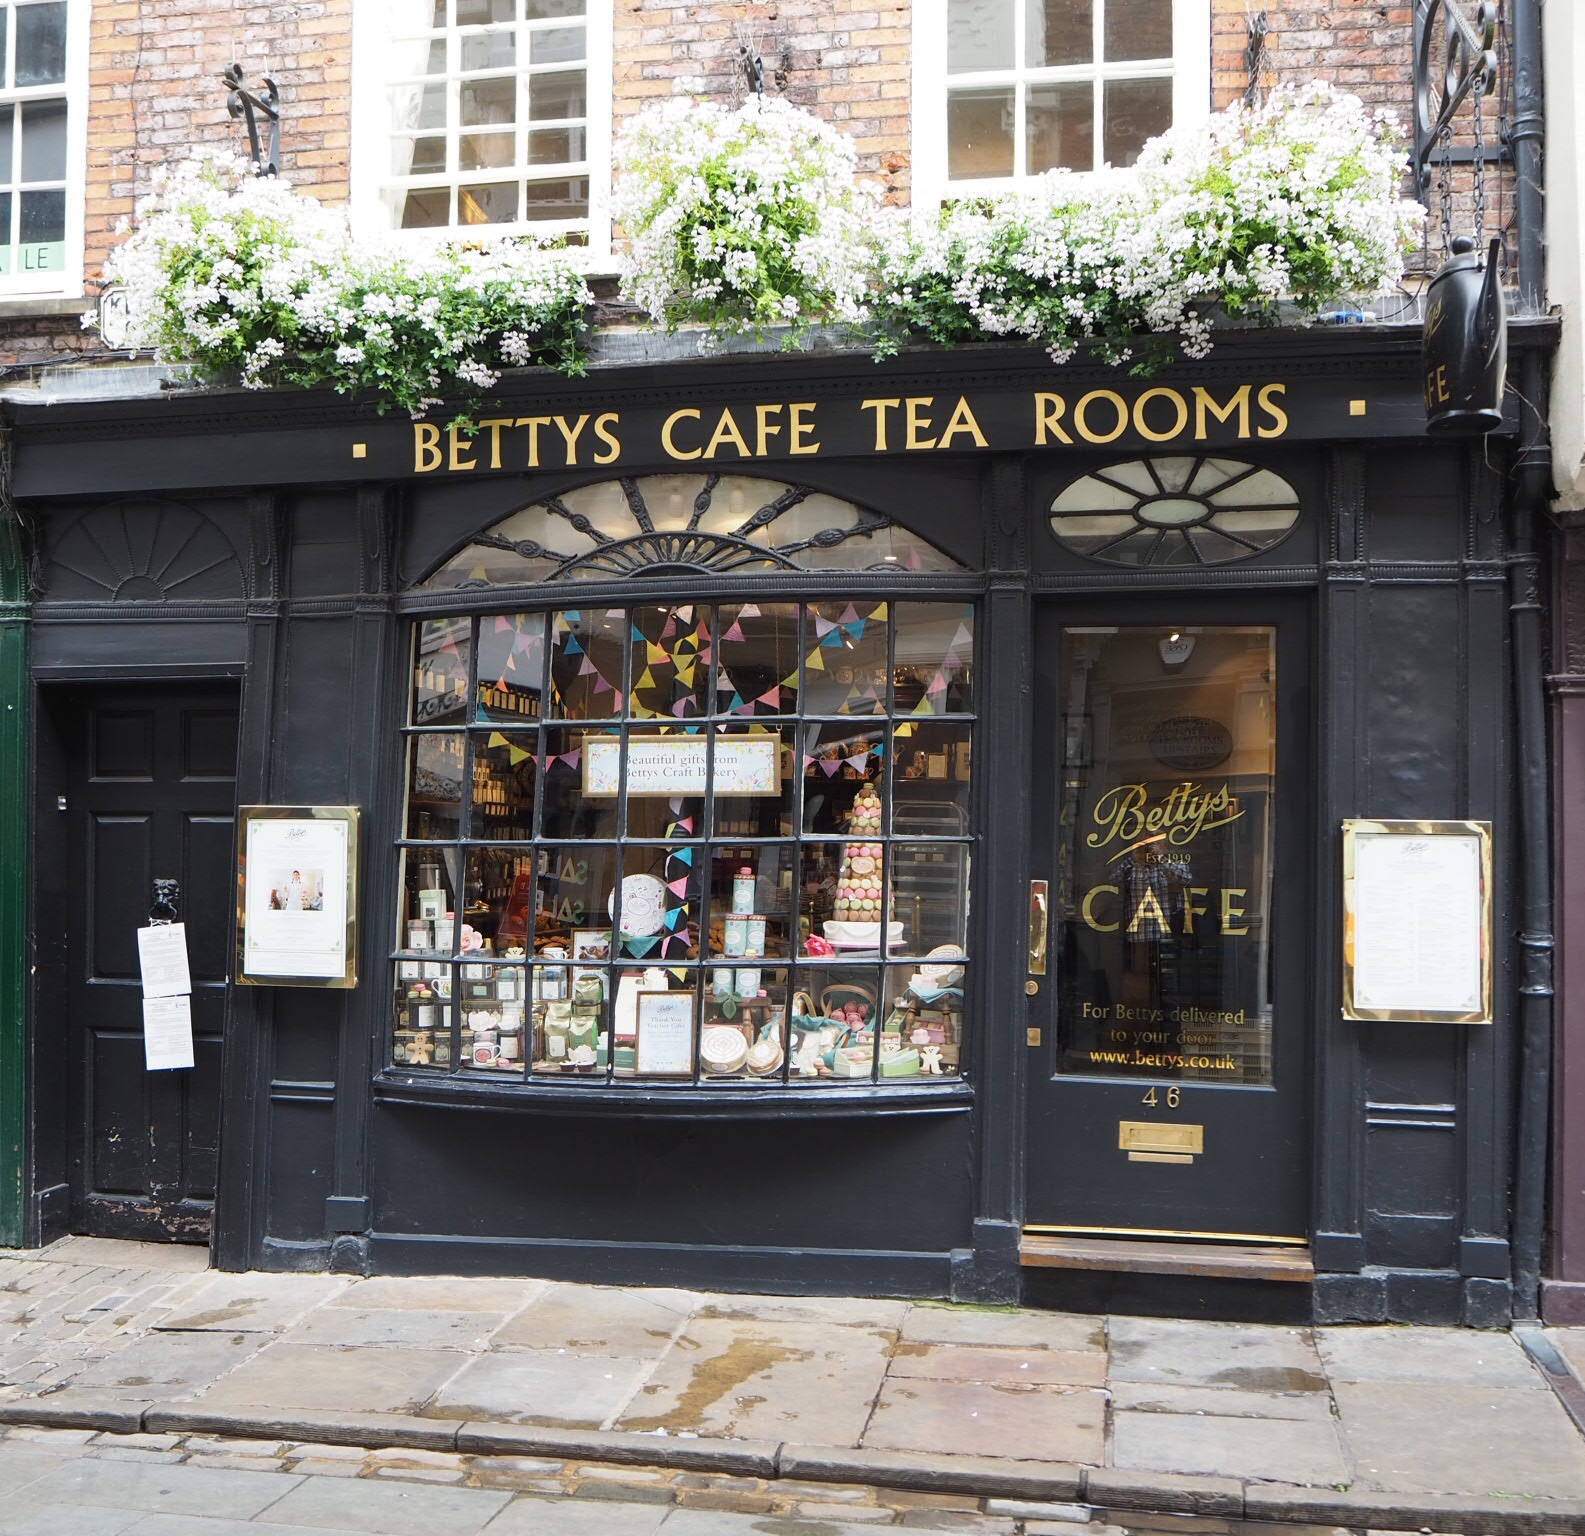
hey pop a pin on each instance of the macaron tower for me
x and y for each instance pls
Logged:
(859, 879)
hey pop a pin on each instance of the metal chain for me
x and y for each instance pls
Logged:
(1444, 182)
(1478, 164)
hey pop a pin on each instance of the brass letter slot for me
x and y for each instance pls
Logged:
(1037, 928)
(1159, 1141)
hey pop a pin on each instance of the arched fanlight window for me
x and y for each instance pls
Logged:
(1188, 510)
(692, 524)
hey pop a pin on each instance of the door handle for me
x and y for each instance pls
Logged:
(1037, 927)
(166, 905)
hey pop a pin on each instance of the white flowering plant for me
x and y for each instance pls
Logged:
(741, 219)
(226, 272)
(1296, 200)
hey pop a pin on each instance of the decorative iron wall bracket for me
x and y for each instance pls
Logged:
(1468, 64)
(241, 102)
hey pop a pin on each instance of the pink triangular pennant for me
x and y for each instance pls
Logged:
(850, 615)
(749, 611)
(571, 758)
(586, 667)
(857, 761)
(678, 887)
(771, 696)
(825, 626)
(502, 624)
(734, 633)
(829, 765)
(670, 628)
(601, 686)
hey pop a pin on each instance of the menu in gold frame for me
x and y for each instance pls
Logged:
(1165, 861)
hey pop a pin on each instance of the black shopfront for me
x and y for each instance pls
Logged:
(824, 827)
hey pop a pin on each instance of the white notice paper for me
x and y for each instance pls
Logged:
(167, 1032)
(1419, 910)
(162, 957)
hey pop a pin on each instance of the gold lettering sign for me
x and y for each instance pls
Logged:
(883, 424)
(1126, 817)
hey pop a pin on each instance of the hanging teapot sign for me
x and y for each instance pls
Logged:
(1464, 348)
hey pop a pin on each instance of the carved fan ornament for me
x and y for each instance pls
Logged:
(687, 524)
(1175, 511)
(143, 552)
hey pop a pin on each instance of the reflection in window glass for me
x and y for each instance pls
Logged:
(735, 849)
(1088, 82)
(1163, 910)
(479, 70)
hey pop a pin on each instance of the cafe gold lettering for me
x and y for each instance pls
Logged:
(1125, 816)
(1104, 910)
(897, 424)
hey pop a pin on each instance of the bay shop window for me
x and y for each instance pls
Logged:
(687, 843)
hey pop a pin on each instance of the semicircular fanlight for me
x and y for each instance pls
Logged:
(1181, 510)
(669, 525)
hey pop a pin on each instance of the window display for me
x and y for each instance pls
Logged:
(688, 844)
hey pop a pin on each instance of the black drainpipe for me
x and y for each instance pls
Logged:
(1531, 493)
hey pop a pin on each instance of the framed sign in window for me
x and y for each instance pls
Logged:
(297, 883)
(665, 1034)
(675, 765)
(1417, 921)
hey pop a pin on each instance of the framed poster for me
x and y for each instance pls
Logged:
(675, 765)
(1417, 921)
(297, 896)
(665, 1034)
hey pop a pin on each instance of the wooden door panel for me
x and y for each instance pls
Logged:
(153, 798)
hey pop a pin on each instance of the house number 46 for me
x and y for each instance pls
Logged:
(1174, 1096)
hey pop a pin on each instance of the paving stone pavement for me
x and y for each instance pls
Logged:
(1397, 1412)
(69, 1482)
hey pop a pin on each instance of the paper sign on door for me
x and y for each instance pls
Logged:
(162, 957)
(167, 1032)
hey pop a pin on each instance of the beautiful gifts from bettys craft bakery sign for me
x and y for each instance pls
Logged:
(715, 433)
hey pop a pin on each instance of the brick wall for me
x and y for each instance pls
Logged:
(155, 92)
(848, 60)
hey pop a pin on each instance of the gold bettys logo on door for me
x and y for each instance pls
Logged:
(1128, 822)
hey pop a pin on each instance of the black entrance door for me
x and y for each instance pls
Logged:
(1169, 1070)
(151, 796)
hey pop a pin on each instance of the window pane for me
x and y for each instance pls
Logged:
(836, 1042)
(555, 146)
(743, 1033)
(558, 45)
(588, 652)
(511, 666)
(504, 764)
(744, 802)
(669, 677)
(665, 768)
(5, 231)
(43, 141)
(844, 774)
(440, 671)
(845, 661)
(435, 61)
(41, 44)
(1167, 801)
(929, 885)
(44, 227)
(1135, 110)
(427, 210)
(416, 157)
(935, 659)
(1061, 127)
(559, 94)
(758, 659)
(1060, 32)
(660, 904)
(751, 905)
(484, 151)
(418, 106)
(980, 133)
(489, 50)
(542, 10)
(487, 101)
(430, 881)
(474, 13)
(569, 810)
(434, 787)
(557, 199)
(7, 124)
(979, 35)
(494, 203)
(1138, 29)
(931, 778)
(922, 1028)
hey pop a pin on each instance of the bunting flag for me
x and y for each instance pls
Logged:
(678, 887)
(600, 684)
(572, 648)
(749, 611)
(771, 696)
(850, 617)
(587, 667)
(654, 653)
(502, 624)
(734, 633)
(670, 627)
(496, 739)
(858, 761)
(814, 661)
(638, 947)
